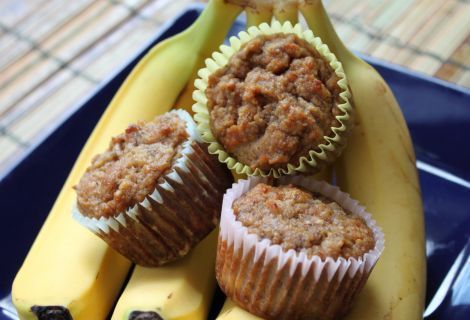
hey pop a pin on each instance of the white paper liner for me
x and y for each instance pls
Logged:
(234, 233)
(104, 224)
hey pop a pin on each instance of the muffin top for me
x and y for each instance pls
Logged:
(275, 100)
(130, 168)
(296, 219)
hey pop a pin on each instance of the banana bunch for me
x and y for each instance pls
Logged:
(379, 169)
(70, 273)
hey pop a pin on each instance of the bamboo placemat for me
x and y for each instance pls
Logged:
(53, 53)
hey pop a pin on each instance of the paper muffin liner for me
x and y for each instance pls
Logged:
(275, 284)
(324, 153)
(180, 212)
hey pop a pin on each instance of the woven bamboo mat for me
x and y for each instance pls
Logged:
(53, 53)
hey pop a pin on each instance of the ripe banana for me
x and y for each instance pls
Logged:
(378, 169)
(180, 290)
(230, 311)
(69, 272)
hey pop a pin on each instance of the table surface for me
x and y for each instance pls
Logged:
(54, 53)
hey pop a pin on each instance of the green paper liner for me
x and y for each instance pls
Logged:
(324, 153)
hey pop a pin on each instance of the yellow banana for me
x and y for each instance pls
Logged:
(69, 272)
(230, 311)
(378, 169)
(286, 11)
(180, 290)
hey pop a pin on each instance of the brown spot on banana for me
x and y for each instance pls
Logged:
(51, 313)
(259, 11)
(144, 315)
(405, 140)
(391, 105)
(393, 305)
(405, 175)
(308, 2)
(381, 88)
(409, 153)
(253, 4)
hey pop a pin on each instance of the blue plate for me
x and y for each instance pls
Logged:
(438, 115)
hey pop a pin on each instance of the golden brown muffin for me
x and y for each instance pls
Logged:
(128, 171)
(294, 252)
(155, 192)
(297, 219)
(273, 102)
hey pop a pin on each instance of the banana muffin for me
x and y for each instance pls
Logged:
(300, 250)
(297, 219)
(129, 170)
(155, 192)
(275, 100)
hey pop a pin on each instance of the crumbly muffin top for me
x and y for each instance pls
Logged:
(296, 219)
(130, 168)
(273, 102)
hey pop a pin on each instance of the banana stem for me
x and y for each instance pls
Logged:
(286, 12)
(317, 19)
(256, 16)
(213, 23)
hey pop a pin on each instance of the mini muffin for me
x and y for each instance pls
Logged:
(300, 250)
(155, 192)
(275, 105)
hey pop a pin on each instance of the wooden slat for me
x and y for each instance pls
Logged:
(32, 127)
(44, 26)
(14, 11)
(10, 150)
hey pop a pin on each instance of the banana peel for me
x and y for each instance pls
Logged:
(377, 168)
(181, 290)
